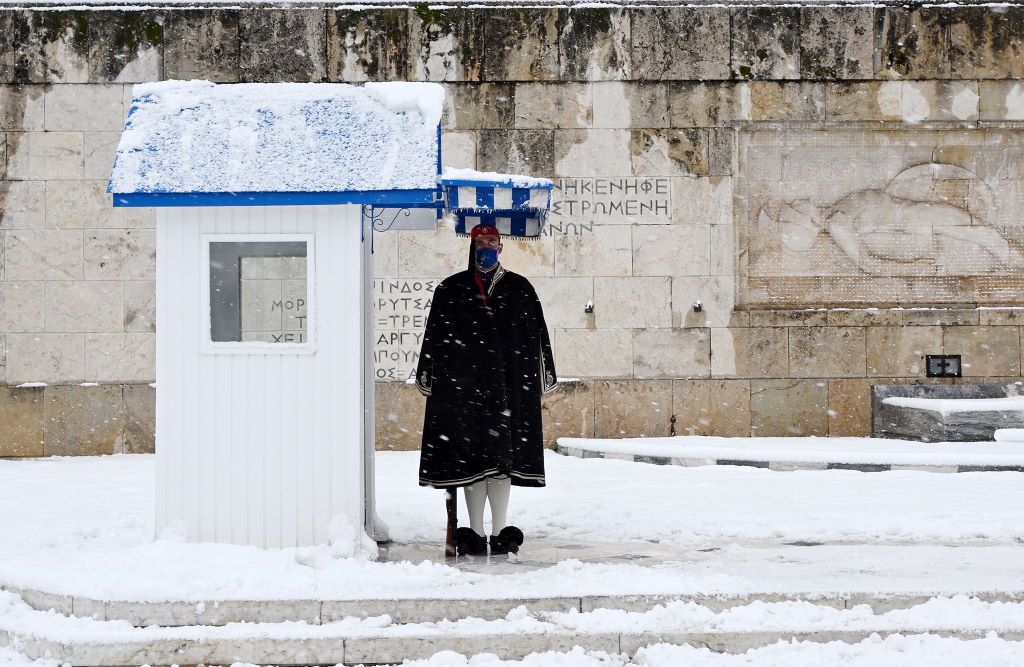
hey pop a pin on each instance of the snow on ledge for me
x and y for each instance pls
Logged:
(512, 180)
(945, 406)
(201, 137)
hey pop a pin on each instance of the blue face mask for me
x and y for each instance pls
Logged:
(486, 258)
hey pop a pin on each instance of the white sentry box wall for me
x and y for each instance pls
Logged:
(263, 447)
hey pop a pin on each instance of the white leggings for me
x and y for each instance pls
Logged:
(496, 490)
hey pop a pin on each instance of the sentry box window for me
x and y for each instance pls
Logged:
(943, 365)
(259, 293)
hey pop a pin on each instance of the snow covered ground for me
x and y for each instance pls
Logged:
(84, 526)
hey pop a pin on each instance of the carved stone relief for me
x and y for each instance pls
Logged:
(902, 217)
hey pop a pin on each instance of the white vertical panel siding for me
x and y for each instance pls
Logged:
(262, 448)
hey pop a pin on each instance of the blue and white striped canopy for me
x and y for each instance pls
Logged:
(516, 210)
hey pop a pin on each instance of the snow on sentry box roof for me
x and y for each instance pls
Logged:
(189, 137)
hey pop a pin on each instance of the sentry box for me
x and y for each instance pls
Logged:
(265, 197)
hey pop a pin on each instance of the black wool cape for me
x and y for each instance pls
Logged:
(483, 365)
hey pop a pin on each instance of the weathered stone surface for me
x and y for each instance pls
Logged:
(629, 104)
(126, 46)
(753, 352)
(140, 305)
(1001, 100)
(594, 353)
(479, 106)
(869, 317)
(788, 407)
(669, 152)
(82, 421)
(21, 421)
(765, 43)
(715, 295)
(599, 152)
(422, 253)
(22, 204)
(986, 42)
(605, 251)
(202, 44)
(910, 43)
(44, 46)
(45, 156)
(98, 152)
(45, 357)
(568, 412)
(446, 45)
(723, 251)
(787, 318)
(836, 43)
(900, 351)
(712, 407)
(593, 44)
(139, 419)
(700, 104)
(128, 254)
(671, 250)
(632, 409)
(459, 149)
(773, 100)
(521, 45)
(120, 357)
(849, 407)
(986, 351)
(721, 151)
(399, 416)
(920, 317)
(21, 306)
(911, 101)
(21, 107)
(43, 254)
(89, 305)
(78, 204)
(558, 105)
(368, 45)
(532, 258)
(517, 152)
(1002, 316)
(564, 300)
(680, 43)
(283, 45)
(826, 352)
(622, 303)
(672, 353)
(702, 201)
(84, 107)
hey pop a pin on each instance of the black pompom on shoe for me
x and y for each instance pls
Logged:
(468, 543)
(507, 541)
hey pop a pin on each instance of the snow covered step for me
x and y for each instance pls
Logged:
(87, 642)
(419, 610)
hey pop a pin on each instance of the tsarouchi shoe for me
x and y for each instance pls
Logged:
(468, 543)
(507, 541)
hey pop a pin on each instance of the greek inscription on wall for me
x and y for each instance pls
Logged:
(580, 203)
(400, 308)
(873, 217)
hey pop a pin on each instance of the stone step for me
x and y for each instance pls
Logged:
(780, 465)
(370, 650)
(427, 610)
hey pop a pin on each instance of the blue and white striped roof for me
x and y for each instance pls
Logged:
(516, 205)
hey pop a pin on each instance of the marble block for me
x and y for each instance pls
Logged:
(629, 104)
(702, 201)
(701, 104)
(765, 43)
(632, 409)
(594, 353)
(479, 106)
(911, 43)
(564, 299)
(202, 44)
(568, 412)
(283, 45)
(120, 254)
(605, 250)
(594, 44)
(120, 357)
(788, 407)
(671, 250)
(367, 45)
(558, 105)
(44, 46)
(43, 156)
(21, 306)
(750, 352)
(98, 152)
(45, 357)
(84, 107)
(21, 107)
(517, 152)
(43, 254)
(680, 43)
(82, 421)
(21, 421)
(633, 302)
(594, 152)
(140, 305)
(836, 42)
(986, 42)
(711, 407)
(399, 416)
(446, 44)
(139, 419)
(1001, 100)
(900, 351)
(80, 204)
(80, 305)
(669, 353)
(126, 46)
(715, 295)
(827, 352)
(849, 407)
(913, 423)
(993, 351)
(669, 152)
(521, 44)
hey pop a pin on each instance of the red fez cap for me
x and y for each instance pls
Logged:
(484, 230)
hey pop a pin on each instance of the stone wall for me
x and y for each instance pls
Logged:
(838, 187)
